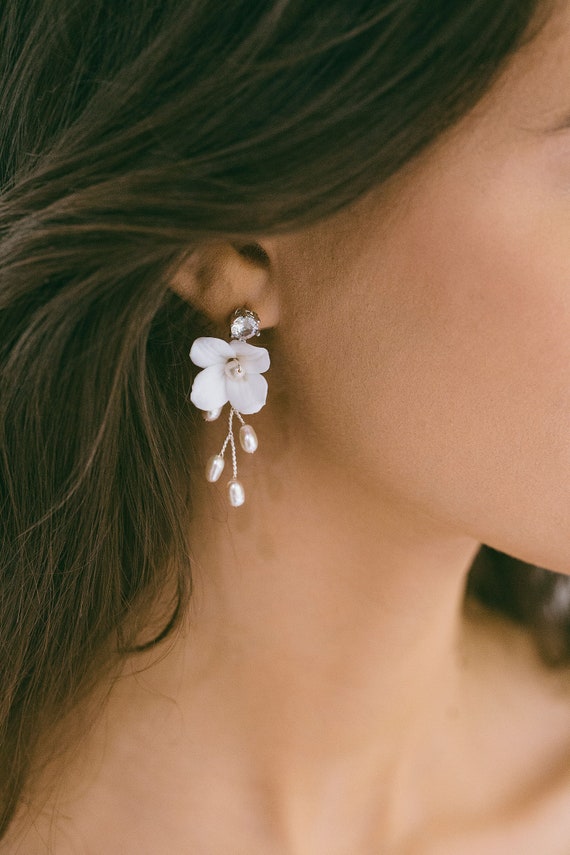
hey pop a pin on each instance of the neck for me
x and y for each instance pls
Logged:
(316, 691)
(327, 619)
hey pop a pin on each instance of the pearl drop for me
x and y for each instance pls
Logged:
(212, 415)
(236, 493)
(248, 438)
(214, 467)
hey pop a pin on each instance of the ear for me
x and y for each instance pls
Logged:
(220, 277)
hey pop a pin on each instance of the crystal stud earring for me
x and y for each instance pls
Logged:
(231, 372)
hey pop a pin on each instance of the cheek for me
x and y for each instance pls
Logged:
(478, 391)
(444, 365)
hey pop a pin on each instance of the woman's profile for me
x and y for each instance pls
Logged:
(285, 427)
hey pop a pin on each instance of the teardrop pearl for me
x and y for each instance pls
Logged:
(236, 493)
(211, 415)
(214, 467)
(248, 438)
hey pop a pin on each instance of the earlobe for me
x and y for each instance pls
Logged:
(216, 278)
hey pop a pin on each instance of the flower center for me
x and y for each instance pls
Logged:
(233, 369)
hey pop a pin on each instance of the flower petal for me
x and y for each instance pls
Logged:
(209, 389)
(248, 394)
(208, 351)
(252, 358)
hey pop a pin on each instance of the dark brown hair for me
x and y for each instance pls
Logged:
(129, 134)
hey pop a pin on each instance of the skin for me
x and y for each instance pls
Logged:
(330, 693)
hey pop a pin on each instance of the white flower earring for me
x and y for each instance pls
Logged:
(232, 372)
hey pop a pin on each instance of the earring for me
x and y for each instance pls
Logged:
(232, 372)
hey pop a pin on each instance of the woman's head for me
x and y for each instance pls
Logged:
(135, 146)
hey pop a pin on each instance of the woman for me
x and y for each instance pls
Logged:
(386, 187)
